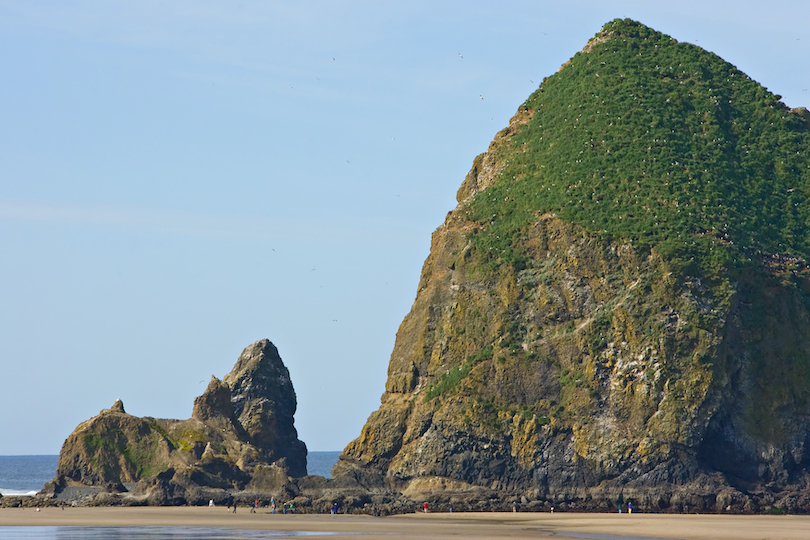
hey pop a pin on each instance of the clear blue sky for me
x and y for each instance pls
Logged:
(179, 179)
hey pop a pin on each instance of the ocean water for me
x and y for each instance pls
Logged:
(321, 463)
(25, 475)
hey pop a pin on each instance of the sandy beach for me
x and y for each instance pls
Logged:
(431, 525)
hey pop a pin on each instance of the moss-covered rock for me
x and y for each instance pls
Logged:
(239, 426)
(619, 306)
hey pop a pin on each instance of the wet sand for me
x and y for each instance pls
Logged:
(432, 525)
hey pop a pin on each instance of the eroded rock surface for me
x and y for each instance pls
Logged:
(553, 357)
(241, 434)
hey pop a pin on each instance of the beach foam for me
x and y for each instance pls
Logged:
(17, 492)
(25, 475)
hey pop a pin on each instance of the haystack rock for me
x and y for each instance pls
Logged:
(618, 309)
(240, 436)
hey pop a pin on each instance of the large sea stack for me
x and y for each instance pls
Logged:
(240, 438)
(619, 306)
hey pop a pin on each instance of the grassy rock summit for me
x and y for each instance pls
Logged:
(618, 309)
(240, 438)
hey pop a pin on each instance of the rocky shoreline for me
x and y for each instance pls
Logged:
(318, 495)
(225, 458)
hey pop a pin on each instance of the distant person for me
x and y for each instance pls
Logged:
(234, 507)
(291, 508)
(629, 508)
(211, 503)
(514, 506)
(334, 508)
(273, 505)
(425, 507)
(451, 507)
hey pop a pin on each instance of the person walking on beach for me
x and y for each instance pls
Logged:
(629, 508)
(273, 505)
(425, 506)
(291, 508)
(514, 506)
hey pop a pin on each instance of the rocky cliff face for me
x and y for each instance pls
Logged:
(241, 435)
(263, 403)
(591, 328)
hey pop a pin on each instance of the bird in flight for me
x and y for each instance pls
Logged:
(459, 55)
(479, 95)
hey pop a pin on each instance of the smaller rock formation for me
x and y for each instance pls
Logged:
(240, 435)
(263, 403)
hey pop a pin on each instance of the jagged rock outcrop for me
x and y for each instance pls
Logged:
(241, 434)
(619, 307)
(264, 403)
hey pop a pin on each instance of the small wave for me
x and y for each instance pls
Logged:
(17, 492)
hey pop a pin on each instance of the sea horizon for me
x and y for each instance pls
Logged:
(24, 475)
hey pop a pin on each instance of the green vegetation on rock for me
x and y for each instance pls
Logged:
(178, 460)
(457, 374)
(630, 253)
(656, 142)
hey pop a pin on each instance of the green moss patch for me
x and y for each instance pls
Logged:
(659, 143)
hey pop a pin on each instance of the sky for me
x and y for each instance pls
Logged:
(180, 179)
